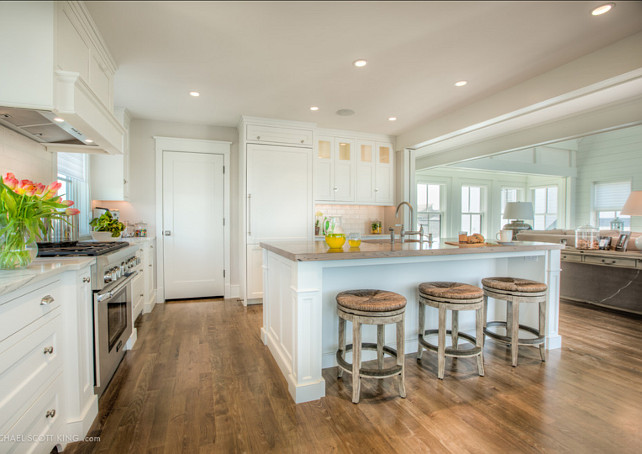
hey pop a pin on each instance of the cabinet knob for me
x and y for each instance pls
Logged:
(48, 350)
(335, 189)
(258, 137)
(376, 189)
(124, 181)
(46, 300)
(50, 413)
(86, 280)
(302, 140)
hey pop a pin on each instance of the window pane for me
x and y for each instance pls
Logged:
(325, 148)
(344, 151)
(366, 153)
(551, 221)
(475, 222)
(422, 201)
(552, 200)
(539, 222)
(384, 155)
(465, 222)
(611, 196)
(464, 199)
(540, 200)
(433, 197)
(475, 199)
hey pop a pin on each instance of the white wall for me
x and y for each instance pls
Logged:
(610, 156)
(25, 158)
(142, 204)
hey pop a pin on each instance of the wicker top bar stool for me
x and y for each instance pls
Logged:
(371, 307)
(455, 297)
(516, 291)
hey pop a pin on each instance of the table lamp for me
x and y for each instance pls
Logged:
(633, 207)
(518, 211)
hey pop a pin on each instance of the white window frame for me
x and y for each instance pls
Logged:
(78, 191)
(483, 206)
(558, 216)
(443, 188)
(520, 197)
(595, 212)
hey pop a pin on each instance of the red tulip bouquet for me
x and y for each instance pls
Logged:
(26, 208)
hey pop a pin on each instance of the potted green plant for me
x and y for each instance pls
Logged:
(26, 209)
(106, 227)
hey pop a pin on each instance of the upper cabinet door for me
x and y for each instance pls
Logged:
(365, 174)
(323, 181)
(344, 172)
(384, 181)
(278, 135)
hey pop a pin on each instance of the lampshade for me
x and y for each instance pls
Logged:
(518, 210)
(633, 205)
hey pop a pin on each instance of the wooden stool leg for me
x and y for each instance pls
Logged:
(422, 329)
(342, 342)
(480, 340)
(514, 336)
(356, 361)
(454, 333)
(485, 309)
(509, 318)
(441, 346)
(401, 358)
(380, 343)
(542, 329)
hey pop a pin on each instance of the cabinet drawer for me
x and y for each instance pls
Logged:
(270, 134)
(571, 257)
(608, 261)
(39, 427)
(24, 309)
(27, 366)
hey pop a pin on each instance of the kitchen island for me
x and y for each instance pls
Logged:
(301, 280)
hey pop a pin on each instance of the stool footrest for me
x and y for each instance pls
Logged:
(507, 339)
(451, 351)
(365, 371)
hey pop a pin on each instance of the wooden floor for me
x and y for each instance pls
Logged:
(199, 380)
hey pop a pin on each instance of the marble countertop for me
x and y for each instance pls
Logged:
(41, 268)
(319, 250)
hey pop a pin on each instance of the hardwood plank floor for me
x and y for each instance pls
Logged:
(199, 380)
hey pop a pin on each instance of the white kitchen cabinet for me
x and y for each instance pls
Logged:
(335, 177)
(110, 174)
(276, 186)
(138, 295)
(357, 169)
(149, 273)
(384, 174)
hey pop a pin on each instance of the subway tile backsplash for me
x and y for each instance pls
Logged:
(354, 218)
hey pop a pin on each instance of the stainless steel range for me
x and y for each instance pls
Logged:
(116, 265)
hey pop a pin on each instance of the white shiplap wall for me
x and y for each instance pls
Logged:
(25, 158)
(610, 156)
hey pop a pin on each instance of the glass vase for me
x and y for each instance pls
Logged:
(16, 251)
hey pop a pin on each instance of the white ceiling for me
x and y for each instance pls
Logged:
(276, 59)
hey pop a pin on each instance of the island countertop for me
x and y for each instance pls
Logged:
(304, 251)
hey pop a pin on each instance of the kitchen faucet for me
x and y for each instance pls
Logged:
(404, 232)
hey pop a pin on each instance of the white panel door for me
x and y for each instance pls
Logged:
(193, 232)
(323, 169)
(384, 180)
(279, 191)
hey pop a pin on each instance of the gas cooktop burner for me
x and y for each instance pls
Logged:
(81, 248)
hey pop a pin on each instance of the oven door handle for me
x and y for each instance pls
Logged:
(109, 292)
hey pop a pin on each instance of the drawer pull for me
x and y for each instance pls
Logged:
(50, 413)
(46, 300)
(48, 350)
(258, 137)
(86, 280)
(302, 141)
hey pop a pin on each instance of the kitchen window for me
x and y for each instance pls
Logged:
(545, 208)
(430, 208)
(471, 209)
(608, 200)
(73, 175)
(509, 195)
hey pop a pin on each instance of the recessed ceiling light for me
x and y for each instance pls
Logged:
(392, 118)
(602, 9)
(461, 83)
(314, 108)
(360, 63)
(89, 141)
(59, 120)
(345, 112)
(194, 94)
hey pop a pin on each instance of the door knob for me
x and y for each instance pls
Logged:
(167, 233)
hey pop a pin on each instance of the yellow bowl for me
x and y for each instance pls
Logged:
(335, 240)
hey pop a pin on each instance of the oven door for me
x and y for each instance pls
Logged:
(112, 327)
